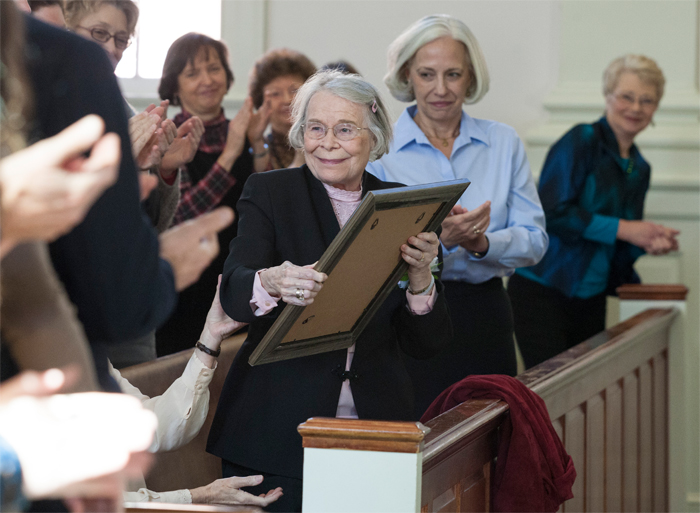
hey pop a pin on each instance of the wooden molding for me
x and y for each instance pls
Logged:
(652, 292)
(363, 435)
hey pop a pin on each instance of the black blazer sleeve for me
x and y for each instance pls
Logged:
(109, 263)
(251, 250)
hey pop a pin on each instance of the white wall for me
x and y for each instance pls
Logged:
(518, 39)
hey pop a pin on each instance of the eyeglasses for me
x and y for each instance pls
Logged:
(629, 100)
(101, 35)
(342, 131)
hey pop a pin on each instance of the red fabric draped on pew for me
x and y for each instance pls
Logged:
(533, 471)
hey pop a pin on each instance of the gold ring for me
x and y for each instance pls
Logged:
(422, 256)
(299, 294)
(476, 230)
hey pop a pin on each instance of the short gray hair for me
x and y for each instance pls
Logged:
(645, 68)
(352, 88)
(422, 32)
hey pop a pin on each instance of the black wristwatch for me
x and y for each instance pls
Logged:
(205, 349)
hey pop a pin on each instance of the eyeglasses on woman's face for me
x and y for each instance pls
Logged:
(342, 131)
(628, 100)
(121, 41)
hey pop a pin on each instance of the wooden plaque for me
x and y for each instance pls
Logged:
(363, 264)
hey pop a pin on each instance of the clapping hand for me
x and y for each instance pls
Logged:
(151, 135)
(77, 445)
(49, 187)
(184, 146)
(653, 238)
(258, 123)
(467, 228)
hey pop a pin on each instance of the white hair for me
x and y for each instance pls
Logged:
(352, 88)
(645, 68)
(422, 32)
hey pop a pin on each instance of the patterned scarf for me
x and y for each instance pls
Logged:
(215, 131)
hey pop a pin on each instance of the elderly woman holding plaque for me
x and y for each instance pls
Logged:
(288, 218)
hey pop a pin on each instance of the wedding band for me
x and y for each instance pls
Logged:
(422, 256)
(299, 294)
(476, 230)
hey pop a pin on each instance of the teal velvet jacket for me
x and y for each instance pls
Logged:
(585, 182)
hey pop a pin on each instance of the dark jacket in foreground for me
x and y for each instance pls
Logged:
(287, 215)
(109, 263)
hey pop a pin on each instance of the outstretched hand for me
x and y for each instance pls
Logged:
(228, 491)
(218, 325)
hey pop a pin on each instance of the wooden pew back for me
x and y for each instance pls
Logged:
(607, 398)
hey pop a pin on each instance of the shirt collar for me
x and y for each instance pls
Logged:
(610, 141)
(408, 131)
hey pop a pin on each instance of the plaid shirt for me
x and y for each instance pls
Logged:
(203, 196)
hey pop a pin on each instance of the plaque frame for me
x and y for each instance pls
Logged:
(437, 201)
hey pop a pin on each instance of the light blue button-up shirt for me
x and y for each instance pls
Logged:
(492, 157)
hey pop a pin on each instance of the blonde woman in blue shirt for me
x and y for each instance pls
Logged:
(497, 226)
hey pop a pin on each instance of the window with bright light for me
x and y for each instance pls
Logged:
(161, 23)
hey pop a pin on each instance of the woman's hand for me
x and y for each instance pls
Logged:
(653, 238)
(142, 127)
(237, 130)
(292, 283)
(467, 228)
(184, 146)
(228, 491)
(97, 438)
(217, 327)
(418, 252)
(149, 150)
(49, 187)
(258, 124)
(256, 128)
(191, 246)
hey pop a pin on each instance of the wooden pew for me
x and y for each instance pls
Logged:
(607, 398)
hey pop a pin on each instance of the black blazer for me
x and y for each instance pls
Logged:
(287, 215)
